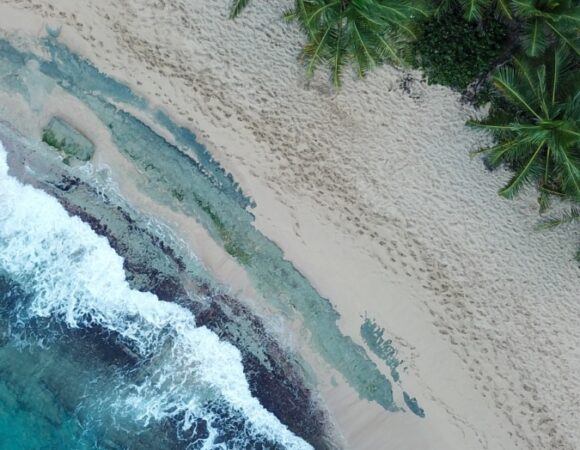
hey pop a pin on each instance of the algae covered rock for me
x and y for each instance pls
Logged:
(68, 141)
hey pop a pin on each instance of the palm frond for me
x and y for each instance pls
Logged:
(338, 57)
(472, 9)
(505, 81)
(390, 11)
(568, 166)
(525, 71)
(290, 15)
(504, 7)
(558, 59)
(569, 41)
(560, 19)
(365, 33)
(390, 48)
(315, 14)
(571, 14)
(509, 152)
(314, 50)
(544, 201)
(237, 7)
(534, 37)
(364, 53)
(522, 176)
(541, 91)
(524, 8)
(568, 217)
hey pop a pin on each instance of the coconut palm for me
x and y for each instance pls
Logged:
(547, 21)
(364, 32)
(542, 140)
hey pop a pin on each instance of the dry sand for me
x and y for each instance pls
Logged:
(371, 193)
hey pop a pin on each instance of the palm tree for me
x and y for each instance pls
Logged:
(542, 140)
(365, 32)
(547, 21)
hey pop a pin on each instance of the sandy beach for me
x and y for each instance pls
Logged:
(371, 193)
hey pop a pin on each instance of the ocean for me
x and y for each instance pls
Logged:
(88, 362)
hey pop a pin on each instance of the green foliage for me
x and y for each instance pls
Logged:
(454, 52)
(366, 33)
(542, 141)
(237, 7)
(535, 113)
(460, 39)
(547, 22)
(475, 10)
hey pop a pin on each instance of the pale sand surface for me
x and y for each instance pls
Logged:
(371, 194)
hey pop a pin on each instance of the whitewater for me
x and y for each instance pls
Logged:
(75, 280)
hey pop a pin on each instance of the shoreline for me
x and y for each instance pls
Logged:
(156, 264)
(464, 293)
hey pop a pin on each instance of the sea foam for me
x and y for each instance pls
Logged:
(77, 279)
